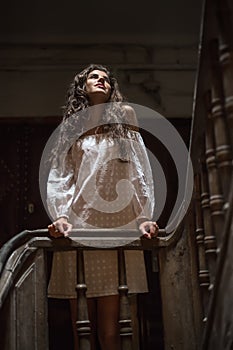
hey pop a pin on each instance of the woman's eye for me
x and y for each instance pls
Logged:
(94, 76)
(107, 80)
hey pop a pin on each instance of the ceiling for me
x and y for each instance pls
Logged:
(151, 44)
(163, 22)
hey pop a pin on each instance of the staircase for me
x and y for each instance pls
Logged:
(211, 153)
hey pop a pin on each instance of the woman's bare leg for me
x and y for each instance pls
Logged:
(107, 320)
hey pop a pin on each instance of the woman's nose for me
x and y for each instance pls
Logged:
(101, 79)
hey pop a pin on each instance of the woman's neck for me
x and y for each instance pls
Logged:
(95, 114)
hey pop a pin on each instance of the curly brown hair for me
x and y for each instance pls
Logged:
(114, 120)
(77, 98)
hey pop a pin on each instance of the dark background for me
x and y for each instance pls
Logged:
(151, 46)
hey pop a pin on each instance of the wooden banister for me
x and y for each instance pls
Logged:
(211, 154)
(23, 260)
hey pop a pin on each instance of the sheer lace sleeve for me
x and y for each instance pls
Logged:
(142, 178)
(61, 184)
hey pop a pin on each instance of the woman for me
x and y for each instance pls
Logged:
(105, 147)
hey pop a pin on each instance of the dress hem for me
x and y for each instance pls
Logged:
(58, 296)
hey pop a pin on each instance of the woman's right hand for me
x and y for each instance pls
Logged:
(60, 228)
(149, 229)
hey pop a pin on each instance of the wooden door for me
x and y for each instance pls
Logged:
(21, 144)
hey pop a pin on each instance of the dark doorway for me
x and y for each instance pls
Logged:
(21, 144)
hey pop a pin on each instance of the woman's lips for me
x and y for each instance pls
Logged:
(100, 86)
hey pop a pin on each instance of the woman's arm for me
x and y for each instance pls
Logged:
(147, 227)
(60, 192)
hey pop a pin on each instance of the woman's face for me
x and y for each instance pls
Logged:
(98, 87)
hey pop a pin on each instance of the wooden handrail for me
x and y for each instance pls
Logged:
(16, 241)
(22, 249)
(88, 238)
(32, 240)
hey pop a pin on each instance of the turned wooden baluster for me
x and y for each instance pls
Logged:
(125, 317)
(82, 324)
(203, 271)
(216, 198)
(218, 114)
(226, 58)
(209, 238)
(225, 21)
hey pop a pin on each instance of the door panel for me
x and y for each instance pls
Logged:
(21, 145)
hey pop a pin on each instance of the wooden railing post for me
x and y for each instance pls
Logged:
(82, 324)
(124, 317)
(219, 121)
(203, 272)
(215, 190)
(226, 59)
(209, 234)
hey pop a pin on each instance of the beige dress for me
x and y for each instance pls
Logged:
(100, 183)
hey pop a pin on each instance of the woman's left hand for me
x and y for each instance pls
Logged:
(149, 229)
(60, 228)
